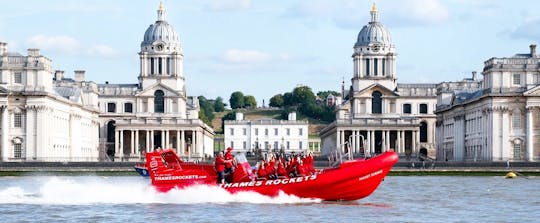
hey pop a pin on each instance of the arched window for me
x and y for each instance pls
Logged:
(423, 132)
(159, 102)
(376, 103)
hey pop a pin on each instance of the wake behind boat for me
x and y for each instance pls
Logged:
(351, 180)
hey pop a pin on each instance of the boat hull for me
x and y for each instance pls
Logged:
(352, 180)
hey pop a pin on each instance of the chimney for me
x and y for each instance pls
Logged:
(239, 116)
(33, 52)
(59, 75)
(79, 75)
(3, 48)
(533, 50)
(474, 75)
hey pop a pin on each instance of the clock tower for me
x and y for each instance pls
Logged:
(374, 56)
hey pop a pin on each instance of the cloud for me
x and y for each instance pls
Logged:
(69, 45)
(62, 44)
(229, 5)
(102, 50)
(530, 29)
(246, 56)
(351, 14)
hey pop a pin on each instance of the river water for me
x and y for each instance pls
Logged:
(398, 199)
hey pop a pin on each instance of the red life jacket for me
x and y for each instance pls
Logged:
(220, 164)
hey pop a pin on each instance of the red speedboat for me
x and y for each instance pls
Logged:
(351, 180)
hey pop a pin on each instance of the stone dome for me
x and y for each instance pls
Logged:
(373, 32)
(161, 31)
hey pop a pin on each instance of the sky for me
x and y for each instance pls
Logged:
(263, 48)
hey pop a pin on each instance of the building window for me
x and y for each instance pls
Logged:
(376, 103)
(518, 153)
(516, 79)
(375, 67)
(18, 78)
(423, 132)
(159, 101)
(275, 145)
(276, 132)
(244, 131)
(406, 108)
(17, 150)
(300, 145)
(288, 130)
(423, 108)
(383, 67)
(265, 132)
(232, 144)
(168, 65)
(516, 121)
(128, 108)
(17, 120)
(266, 145)
(256, 132)
(151, 66)
(288, 145)
(111, 107)
(300, 132)
(160, 71)
(232, 131)
(244, 144)
(367, 67)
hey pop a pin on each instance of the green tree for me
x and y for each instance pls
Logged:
(229, 116)
(249, 101)
(288, 99)
(324, 94)
(207, 108)
(219, 106)
(303, 95)
(276, 101)
(237, 100)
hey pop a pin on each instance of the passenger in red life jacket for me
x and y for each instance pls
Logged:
(261, 171)
(271, 168)
(219, 165)
(281, 171)
(301, 169)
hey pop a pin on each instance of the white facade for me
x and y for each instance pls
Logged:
(266, 134)
(49, 117)
(378, 114)
(42, 120)
(156, 112)
(494, 119)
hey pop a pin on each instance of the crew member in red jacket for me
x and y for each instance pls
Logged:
(219, 165)
(229, 161)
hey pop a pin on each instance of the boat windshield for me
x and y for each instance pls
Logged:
(240, 157)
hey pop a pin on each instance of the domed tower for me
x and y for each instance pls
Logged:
(161, 56)
(374, 56)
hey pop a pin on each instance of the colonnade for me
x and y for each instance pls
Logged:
(185, 141)
(359, 139)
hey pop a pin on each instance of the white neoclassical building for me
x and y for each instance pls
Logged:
(42, 120)
(266, 134)
(49, 117)
(494, 119)
(155, 112)
(377, 113)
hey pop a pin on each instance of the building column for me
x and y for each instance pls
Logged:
(152, 140)
(167, 138)
(194, 142)
(402, 141)
(137, 146)
(372, 136)
(4, 140)
(342, 141)
(182, 141)
(338, 138)
(117, 143)
(414, 149)
(530, 132)
(147, 141)
(121, 143)
(178, 142)
(162, 139)
(132, 141)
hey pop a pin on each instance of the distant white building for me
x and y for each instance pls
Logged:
(377, 113)
(266, 134)
(42, 120)
(494, 119)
